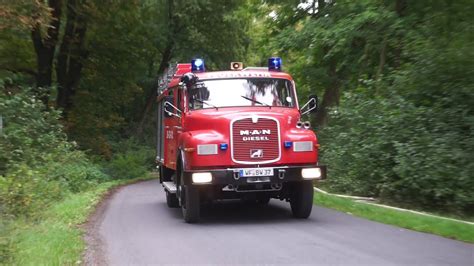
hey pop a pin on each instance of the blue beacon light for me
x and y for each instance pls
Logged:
(223, 146)
(288, 144)
(274, 64)
(197, 65)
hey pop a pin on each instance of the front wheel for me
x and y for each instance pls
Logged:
(190, 203)
(301, 199)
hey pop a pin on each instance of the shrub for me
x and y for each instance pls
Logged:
(23, 191)
(75, 171)
(413, 155)
(31, 135)
(130, 160)
(38, 164)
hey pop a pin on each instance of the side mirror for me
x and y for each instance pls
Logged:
(311, 105)
(168, 106)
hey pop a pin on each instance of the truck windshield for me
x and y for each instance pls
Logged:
(242, 92)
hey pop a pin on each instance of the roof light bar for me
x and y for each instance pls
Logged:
(274, 64)
(197, 65)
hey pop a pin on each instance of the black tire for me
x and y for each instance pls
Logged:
(190, 203)
(165, 174)
(172, 200)
(301, 199)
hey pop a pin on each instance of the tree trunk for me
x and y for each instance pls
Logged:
(71, 56)
(382, 59)
(152, 94)
(45, 47)
(321, 5)
(400, 9)
(166, 56)
(330, 98)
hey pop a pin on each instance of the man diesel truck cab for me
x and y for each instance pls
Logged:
(235, 134)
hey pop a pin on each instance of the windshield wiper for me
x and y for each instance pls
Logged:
(206, 103)
(255, 101)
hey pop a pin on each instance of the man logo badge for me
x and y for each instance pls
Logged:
(256, 153)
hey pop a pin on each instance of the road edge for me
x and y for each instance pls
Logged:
(94, 251)
(448, 228)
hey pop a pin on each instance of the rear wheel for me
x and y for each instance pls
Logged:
(301, 199)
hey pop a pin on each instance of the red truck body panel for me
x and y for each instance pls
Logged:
(211, 126)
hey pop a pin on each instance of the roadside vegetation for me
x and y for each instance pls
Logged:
(47, 185)
(428, 224)
(57, 238)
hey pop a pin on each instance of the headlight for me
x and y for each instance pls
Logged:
(299, 146)
(200, 178)
(311, 173)
(207, 149)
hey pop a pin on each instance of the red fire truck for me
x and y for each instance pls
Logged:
(235, 134)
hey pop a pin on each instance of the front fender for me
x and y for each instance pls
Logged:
(188, 142)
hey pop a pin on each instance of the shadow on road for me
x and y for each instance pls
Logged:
(236, 212)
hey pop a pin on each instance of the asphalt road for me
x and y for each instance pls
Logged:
(137, 228)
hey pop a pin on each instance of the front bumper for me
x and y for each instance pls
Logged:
(230, 176)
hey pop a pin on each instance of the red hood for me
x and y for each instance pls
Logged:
(220, 119)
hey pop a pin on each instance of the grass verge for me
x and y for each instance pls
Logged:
(58, 238)
(433, 225)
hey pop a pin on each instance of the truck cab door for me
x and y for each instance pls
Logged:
(172, 131)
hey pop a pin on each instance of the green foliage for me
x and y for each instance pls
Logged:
(38, 164)
(75, 171)
(28, 131)
(423, 223)
(412, 155)
(130, 160)
(22, 191)
(57, 238)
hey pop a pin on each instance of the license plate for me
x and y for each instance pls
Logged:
(256, 172)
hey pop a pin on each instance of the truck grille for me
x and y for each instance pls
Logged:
(255, 143)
